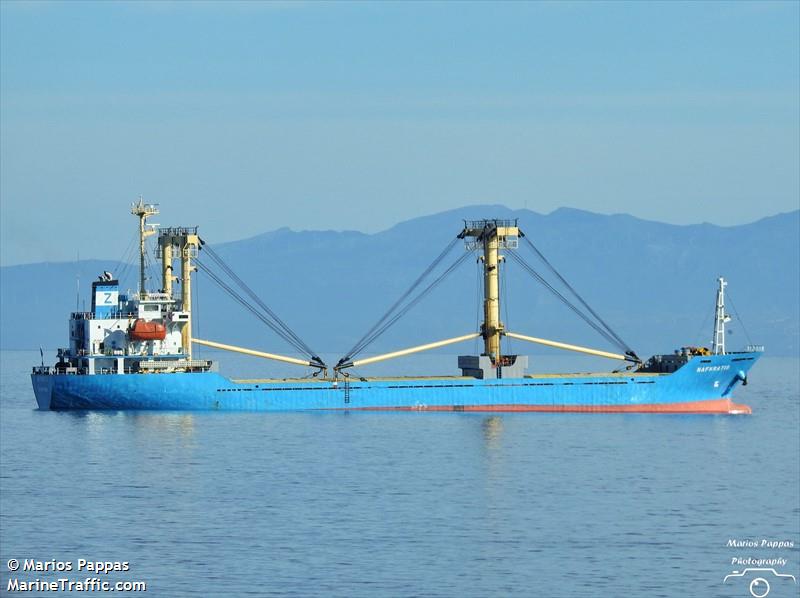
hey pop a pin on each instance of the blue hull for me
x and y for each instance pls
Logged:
(703, 385)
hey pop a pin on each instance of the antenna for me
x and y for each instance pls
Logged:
(78, 283)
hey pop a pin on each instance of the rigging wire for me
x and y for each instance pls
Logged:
(228, 270)
(736, 313)
(406, 308)
(567, 302)
(478, 301)
(239, 299)
(414, 301)
(195, 321)
(252, 309)
(151, 268)
(699, 334)
(619, 342)
(368, 336)
(504, 278)
(127, 259)
(287, 333)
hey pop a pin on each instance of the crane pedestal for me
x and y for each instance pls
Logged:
(483, 367)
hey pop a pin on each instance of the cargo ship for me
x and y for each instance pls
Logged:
(133, 350)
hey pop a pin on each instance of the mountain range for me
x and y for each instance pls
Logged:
(654, 284)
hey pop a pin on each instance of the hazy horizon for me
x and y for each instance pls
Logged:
(253, 116)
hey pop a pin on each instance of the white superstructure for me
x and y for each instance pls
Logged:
(144, 331)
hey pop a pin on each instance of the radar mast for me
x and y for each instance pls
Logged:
(143, 211)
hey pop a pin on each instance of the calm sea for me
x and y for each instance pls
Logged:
(404, 504)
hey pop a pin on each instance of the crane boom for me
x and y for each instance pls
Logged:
(408, 351)
(568, 347)
(255, 353)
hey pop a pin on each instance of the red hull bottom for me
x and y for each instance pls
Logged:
(725, 406)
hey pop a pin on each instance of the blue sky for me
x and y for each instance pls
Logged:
(245, 117)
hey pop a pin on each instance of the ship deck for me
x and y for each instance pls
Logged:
(447, 378)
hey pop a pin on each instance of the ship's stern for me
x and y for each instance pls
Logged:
(42, 388)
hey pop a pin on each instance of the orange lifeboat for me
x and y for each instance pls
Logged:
(142, 330)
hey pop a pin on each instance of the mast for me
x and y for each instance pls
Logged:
(491, 295)
(143, 211)
(491, 235)
(168, 241)
(183, 242)
(720, 319)
(189, 248)
(166, 267)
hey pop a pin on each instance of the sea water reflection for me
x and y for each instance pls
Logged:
(400, 504)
